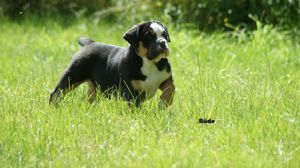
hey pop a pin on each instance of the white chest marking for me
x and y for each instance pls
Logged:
(154, 77)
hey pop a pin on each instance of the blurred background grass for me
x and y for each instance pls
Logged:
(202, 14)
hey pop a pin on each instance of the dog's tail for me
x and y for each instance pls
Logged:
(83, 41)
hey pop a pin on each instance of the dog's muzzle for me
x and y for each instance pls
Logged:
(163, 48)
(162, 43)
(159, 50)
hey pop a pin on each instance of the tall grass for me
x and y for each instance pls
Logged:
(247, 81)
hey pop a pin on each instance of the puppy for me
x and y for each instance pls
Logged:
(135, 72)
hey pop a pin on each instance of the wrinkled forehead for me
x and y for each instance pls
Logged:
(157, 28)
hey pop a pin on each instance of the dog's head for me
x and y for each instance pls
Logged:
(150, 39)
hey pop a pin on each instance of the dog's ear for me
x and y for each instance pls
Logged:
(131, 36)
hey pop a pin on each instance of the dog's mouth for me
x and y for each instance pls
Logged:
(158, 53)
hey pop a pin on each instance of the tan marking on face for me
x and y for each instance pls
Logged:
(142, 51)
(161, 56)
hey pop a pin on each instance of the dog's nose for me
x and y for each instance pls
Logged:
(162, 44)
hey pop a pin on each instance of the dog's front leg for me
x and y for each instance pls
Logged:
(168, 91)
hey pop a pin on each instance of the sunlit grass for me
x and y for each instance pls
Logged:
(248, 82)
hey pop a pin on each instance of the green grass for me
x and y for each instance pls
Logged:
(248, 82)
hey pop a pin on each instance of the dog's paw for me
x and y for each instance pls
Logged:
(162, 104)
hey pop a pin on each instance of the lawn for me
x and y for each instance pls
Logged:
(248, 82)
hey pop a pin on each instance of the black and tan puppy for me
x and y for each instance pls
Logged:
(136, 72)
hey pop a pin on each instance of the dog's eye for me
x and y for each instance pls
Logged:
(151, 31)
(165, 34)
(150, 34)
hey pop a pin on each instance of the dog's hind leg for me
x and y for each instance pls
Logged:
(91, 91)
(67, 83)
(77, 73)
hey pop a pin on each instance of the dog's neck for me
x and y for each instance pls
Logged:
(132, 51)
(136, 59)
